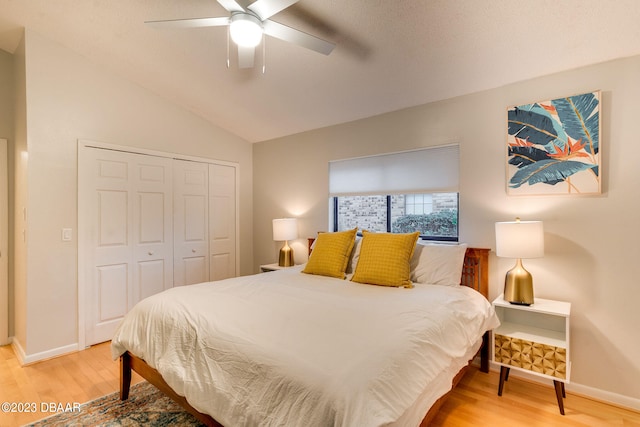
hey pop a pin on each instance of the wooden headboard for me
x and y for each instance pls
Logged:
(475, 269)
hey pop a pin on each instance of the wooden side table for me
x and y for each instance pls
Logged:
(534, 339)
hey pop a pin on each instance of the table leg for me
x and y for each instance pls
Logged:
(504, 375)
(559, 386)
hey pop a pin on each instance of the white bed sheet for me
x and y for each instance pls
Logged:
(287, 348)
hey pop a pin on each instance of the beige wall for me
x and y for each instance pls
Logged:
(591, 242)
(6, 132)
(18, 264)
(69, 98)
(6, 95)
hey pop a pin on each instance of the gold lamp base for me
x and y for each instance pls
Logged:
(286, 256)
(518, 285)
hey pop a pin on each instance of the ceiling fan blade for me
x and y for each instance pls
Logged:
(245, 56)
(267, 8)
(190, 23)
(231, 5)
(298, 37)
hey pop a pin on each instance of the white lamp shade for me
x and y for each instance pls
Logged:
(285, 229)
(520, 239)
(246, 30)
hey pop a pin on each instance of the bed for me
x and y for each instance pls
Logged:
(289, 348)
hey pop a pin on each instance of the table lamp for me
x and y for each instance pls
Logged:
(519, 239)
(285, 229)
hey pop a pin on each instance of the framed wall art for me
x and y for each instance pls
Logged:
(553, 147)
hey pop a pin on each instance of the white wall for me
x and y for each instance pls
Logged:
(69, 98)
(591, 242)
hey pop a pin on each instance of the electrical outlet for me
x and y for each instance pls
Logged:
(66, 234)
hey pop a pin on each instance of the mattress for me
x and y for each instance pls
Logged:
(287, 348)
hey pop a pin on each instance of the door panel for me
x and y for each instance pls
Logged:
(151, 173)
(113, 292)
(194, 270)
(190, 219)
(113, 218)
(223, 226)
(127, 200)
(222, 220)
(108, 168)
(110, 289)
(151, 219)
(222, 266)
(151, 277)
(153, 227)
(195, 217)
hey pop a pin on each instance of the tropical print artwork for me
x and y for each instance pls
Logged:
(553, 146)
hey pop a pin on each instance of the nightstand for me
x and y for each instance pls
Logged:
(533, 339)
(272, 267)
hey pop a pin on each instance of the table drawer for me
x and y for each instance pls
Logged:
(532, 356)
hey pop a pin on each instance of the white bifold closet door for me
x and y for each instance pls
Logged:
(222, 220)
(130, 227)
(191, 222)
(204, 223)
(148, 223)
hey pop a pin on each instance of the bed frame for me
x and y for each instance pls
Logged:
(475, 274)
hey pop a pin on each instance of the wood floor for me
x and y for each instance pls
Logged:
(89, 374)
(74, 378)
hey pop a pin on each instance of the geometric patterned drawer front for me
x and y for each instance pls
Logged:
(541, 358)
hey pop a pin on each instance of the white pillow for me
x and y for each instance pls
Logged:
(355, 254)
(438, 264)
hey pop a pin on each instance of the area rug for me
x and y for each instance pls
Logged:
(146, 406)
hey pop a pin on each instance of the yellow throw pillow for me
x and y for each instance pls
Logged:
(331, 253)
(385, 259)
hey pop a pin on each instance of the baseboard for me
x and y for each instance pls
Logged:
(26, 359)
(582, 390)
(605, 396)
(17, 349)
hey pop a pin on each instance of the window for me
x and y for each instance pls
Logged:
(398, 193)
(434, 215)
(418, 204)
(365, 212)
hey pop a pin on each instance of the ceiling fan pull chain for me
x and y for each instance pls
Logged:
(264, 54)
(228, 41)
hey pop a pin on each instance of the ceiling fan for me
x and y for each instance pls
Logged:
(247, 27)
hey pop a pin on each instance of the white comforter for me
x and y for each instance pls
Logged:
(290, 349)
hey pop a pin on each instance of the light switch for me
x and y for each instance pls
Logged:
(66, 234)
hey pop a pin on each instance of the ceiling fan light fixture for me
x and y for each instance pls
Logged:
(245, 29)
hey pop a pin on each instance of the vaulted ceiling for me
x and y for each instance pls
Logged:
(390, 54)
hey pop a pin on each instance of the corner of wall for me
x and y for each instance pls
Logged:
(17, 203)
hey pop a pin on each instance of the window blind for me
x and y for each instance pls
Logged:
(427, 170)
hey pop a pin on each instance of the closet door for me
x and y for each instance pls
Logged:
(126, 203)
(222, 221)
(191, 222)
(153, 225)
